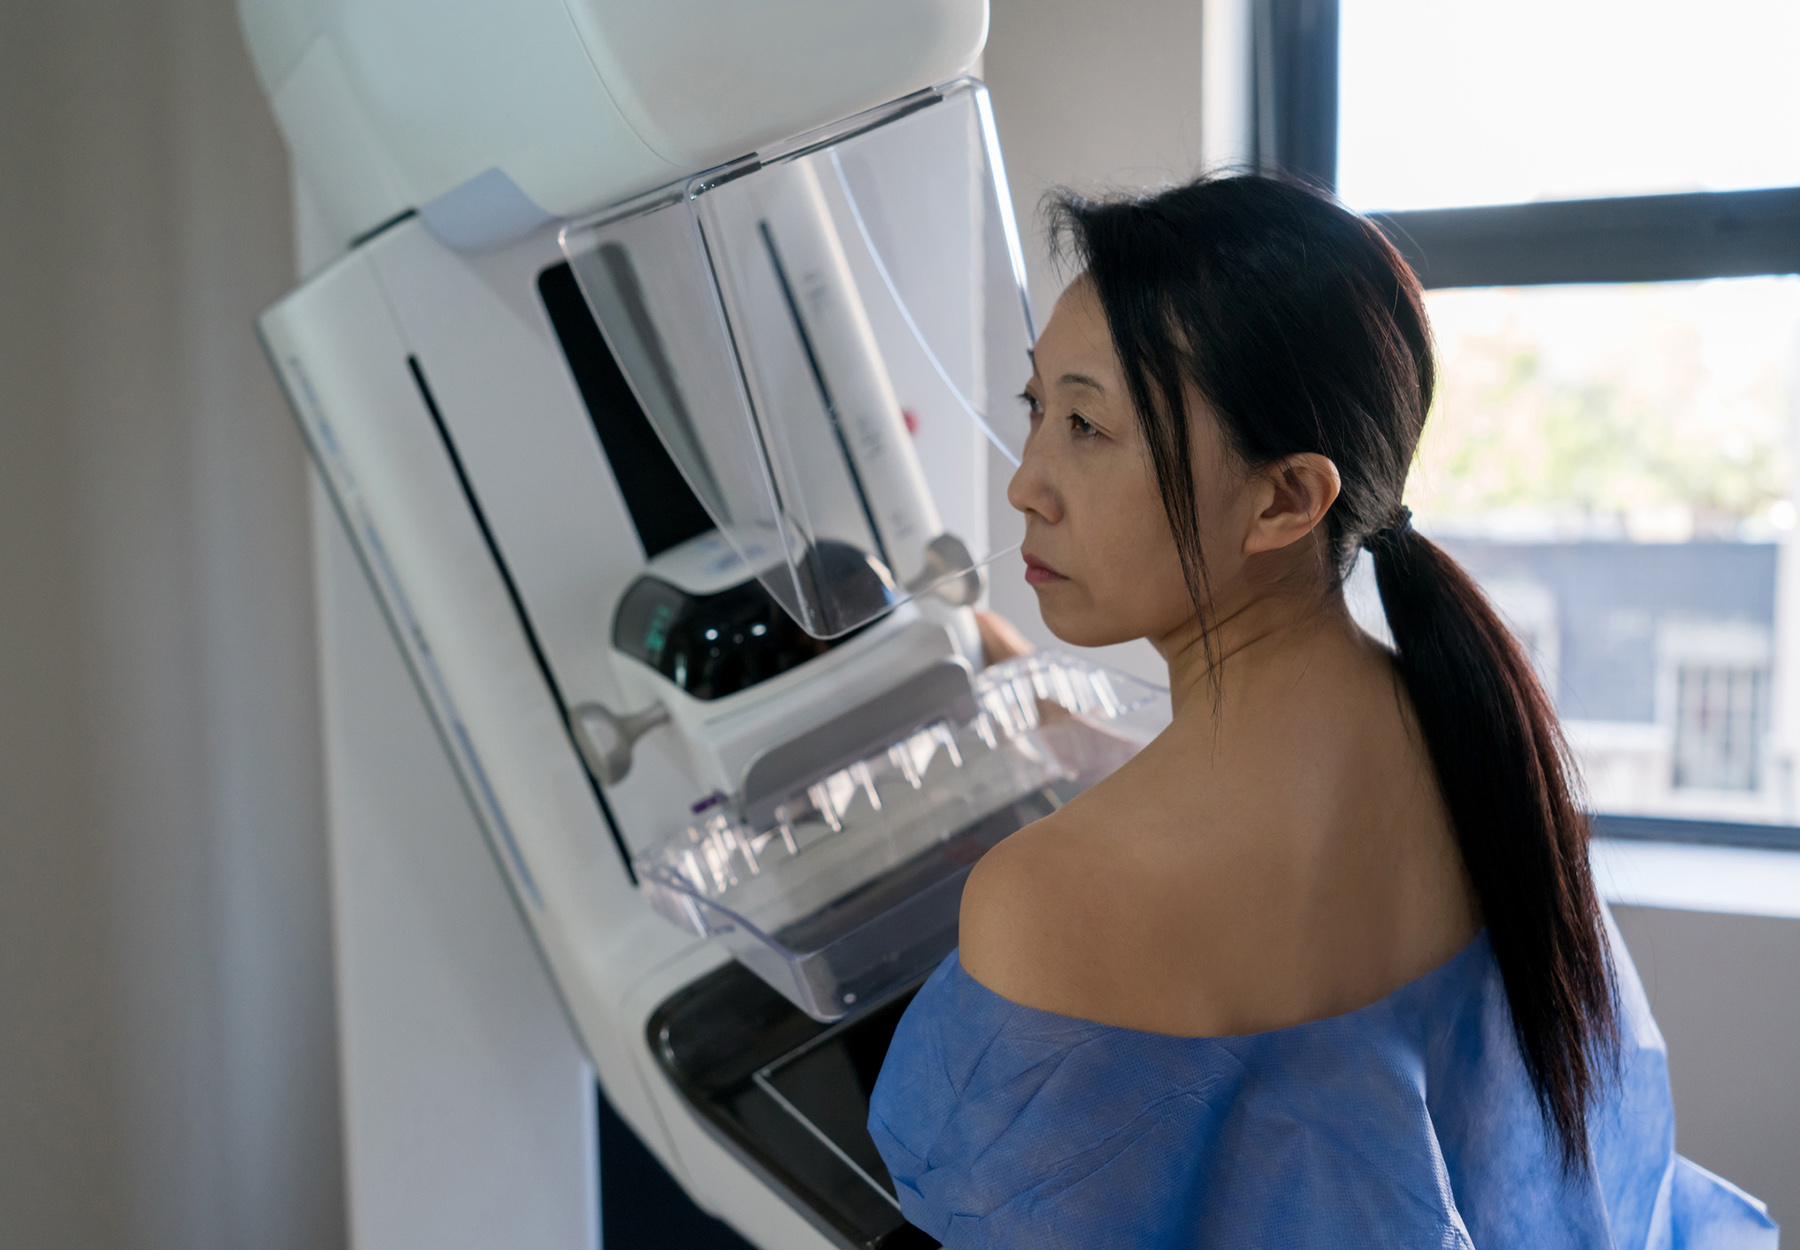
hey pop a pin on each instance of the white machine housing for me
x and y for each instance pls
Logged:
(440, 408)
(491, 119)
(437, 402)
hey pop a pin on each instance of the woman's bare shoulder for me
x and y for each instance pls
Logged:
(1017, 911)
(1042, 911)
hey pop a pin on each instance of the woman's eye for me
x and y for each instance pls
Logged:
(1032, 407)
(1082, 427)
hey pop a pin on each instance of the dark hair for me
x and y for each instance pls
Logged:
(1305, 331)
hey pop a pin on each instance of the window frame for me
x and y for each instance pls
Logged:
(1620, 239)
(1638, 238)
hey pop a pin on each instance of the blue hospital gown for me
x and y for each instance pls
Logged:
(1408, 1123)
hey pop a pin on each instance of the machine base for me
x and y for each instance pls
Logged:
(790, 1097)
(642, 1207)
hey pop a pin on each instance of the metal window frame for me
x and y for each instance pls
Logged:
(1294, 88)
(1696, 832)
(1620, 239)
(1637, 238)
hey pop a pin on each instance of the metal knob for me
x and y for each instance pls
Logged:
(945, 556)
(606, 738)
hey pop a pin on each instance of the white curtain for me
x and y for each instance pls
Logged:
(167, 1055)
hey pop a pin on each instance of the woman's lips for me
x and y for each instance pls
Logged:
(1037, 573)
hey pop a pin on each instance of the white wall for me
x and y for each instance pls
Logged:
(1093, 98)
(167, 1071)
(1726, 992)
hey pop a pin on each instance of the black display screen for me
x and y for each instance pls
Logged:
(663, 509)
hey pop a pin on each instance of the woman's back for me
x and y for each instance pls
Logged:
(1281, 857)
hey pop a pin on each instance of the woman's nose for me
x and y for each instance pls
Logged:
(1030, 490)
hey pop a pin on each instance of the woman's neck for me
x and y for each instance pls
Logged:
(1267, 641)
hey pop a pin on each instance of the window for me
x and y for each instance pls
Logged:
(1613, 464)
(1603, 200)
(1718, 727)
(1450, 103)
(1716, 686)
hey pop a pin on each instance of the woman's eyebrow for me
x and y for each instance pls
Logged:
(1080, 379)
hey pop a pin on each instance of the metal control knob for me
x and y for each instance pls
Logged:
(606, 738)
(945, 556)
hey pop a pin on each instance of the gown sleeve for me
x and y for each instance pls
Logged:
(1409, 1123)
(1005, 1127)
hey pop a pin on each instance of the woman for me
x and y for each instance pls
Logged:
(1323, 964)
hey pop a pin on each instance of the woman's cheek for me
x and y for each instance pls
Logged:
(1113, 599)
(1148, 576)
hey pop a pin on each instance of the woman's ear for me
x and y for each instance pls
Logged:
(1292, 494)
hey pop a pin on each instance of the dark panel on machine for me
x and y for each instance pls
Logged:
(641, 1205)
(663, 508)
(791, 1097)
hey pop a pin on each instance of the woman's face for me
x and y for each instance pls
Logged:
(1098, 548)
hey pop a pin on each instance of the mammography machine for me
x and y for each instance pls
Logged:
(655, 387)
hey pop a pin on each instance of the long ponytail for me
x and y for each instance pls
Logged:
(1304, 331)
(1503, 768)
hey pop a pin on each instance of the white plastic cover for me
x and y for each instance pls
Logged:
(787, 321)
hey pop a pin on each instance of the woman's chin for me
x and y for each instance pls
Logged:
(1080, 629)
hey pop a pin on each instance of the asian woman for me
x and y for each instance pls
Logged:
(1323, 964)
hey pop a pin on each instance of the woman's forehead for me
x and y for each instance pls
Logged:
(1075, 348)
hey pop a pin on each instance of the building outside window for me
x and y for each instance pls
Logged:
(1716, 684)
(1719, 727)
(1624, 451)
